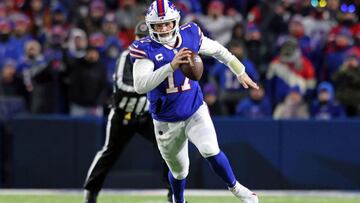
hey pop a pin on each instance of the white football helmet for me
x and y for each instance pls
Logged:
(162, 11)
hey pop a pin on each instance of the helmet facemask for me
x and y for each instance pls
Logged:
(168, 36)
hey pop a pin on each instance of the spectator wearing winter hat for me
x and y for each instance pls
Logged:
(11, 81)
(336, 54)
(97, 14)
(57, 36)
(40, 19)
(255, 106)
(21, 23)
(347, 84)
(55, 53)
(311, 48)
(296, 27)
(109, 25)
(127, 15)
(7, 42)
(21, 32)
(87, 85)
(255, 48)
(293, 106)
(98, 40)
(297, 30)
(13, 95)
(325, 107)
(112, 51)
(77, 44)
(39, 79)
(59, 15)
(80, 13)
(90, 18)
(290, 68)
(54, 48)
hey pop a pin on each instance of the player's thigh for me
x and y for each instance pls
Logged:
(170, 137)
(173, 145)
(201, 132)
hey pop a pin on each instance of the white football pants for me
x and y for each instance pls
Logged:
(172, 139)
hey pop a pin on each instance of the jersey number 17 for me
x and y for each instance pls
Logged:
(172, 89)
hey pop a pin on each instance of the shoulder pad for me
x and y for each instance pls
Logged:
(138, 49)
(193, 27)
(196, 33)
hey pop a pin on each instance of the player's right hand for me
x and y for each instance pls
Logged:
(180, 58)
(246, 81)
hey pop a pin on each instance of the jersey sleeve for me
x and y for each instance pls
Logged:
(138, 50)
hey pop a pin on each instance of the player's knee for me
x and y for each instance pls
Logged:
(180, 175)
(208, 150)
(180, 171)
(179, 168)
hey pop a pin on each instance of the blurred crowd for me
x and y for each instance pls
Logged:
(58, 56)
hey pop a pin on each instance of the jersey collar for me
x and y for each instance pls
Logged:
(177, 46)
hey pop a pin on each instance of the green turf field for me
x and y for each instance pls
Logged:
(161, 199)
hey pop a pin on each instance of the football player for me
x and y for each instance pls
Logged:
(176, 102)
(129, 115)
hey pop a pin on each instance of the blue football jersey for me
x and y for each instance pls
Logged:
(177, 97)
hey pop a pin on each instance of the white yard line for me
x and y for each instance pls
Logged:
(191, 192)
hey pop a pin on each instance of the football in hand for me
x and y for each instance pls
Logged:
(194, 69)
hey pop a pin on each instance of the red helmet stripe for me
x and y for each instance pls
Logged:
(160, 8)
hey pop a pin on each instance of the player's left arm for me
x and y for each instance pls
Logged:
(215, 49)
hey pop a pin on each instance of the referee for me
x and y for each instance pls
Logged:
(129, 115)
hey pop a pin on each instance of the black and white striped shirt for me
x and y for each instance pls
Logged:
(124, 95)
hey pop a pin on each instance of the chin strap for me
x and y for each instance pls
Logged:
(172, 42)
(236, 66)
